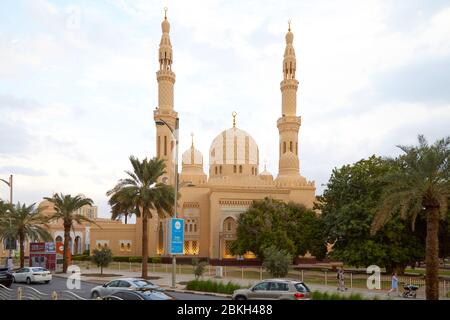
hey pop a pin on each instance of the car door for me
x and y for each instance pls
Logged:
(124, 285)
(111, 287)
(21, 275)
(259, 291)
(278, 290)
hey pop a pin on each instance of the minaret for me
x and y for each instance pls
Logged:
(289, 124)
(164, 113)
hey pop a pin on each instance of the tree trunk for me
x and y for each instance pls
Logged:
(432, 254)
(144, 245)
(66, 247)
(101, 270)
(22, 250)
(126, 218)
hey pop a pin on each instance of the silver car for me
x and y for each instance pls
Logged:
(274, 289)
(123, 284)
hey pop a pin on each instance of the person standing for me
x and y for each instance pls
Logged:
(341, 280)
(394, 284)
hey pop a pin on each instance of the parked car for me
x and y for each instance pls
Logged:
(139, 294)
(123, 284)
(274, 289)
(6, 277)
(32, 274)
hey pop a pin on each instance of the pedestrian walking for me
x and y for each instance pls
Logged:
(342, 279)
(394, 285)
(10, 263)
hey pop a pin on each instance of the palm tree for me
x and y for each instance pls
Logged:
(421, 185)
(120, 207)
(24, 222)
(142, 192)
(65, 209)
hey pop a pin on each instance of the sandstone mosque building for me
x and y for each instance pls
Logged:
(210, 203)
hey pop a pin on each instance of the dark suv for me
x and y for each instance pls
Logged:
(6, 277)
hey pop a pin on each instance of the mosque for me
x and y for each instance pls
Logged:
(210, 203)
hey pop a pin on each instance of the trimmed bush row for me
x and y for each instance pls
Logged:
(86, 257)
(212, 286)
(316, 295)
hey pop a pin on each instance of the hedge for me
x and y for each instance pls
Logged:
(212, 286)
(84, 257)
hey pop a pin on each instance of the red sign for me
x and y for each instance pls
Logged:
(37, 247)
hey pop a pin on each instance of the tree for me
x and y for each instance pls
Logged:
(22, 222)
(348, 207)
(263, 224)
(102, 258)
(420, 185)
(143, 194)
(121, 207)
(199, 267)
(307, 231)
(291, 227)
(277, 261)
(65, 207)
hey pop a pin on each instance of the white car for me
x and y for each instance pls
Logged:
(32, 274)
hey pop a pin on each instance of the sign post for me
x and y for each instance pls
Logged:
(175, 236)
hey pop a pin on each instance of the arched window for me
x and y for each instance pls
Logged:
(240, 169)
(165, 145)
(290, 146)
(215, 170)
(58, 239)
(234, 169)
(195, 227)
(284, 147)
(190, 227)
(220, 169)
(253, 170)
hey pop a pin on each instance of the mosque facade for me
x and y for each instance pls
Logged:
(212, 200)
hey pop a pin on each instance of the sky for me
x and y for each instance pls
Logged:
(78, 83)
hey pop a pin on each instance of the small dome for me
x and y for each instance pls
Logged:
(266, 175)
(233, 146)
(192, 156)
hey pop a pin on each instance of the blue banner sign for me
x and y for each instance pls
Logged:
(175, 232)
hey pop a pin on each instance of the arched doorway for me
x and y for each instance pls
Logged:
(77, 245)
(58, 239)
(228, 235)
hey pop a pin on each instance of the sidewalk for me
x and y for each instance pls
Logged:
(165, 280)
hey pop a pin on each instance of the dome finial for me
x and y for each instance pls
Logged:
(289, 25)
(234, 114)
(165, 13)
(192, 137)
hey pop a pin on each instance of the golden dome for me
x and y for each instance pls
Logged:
(234, 147)
(192, 156)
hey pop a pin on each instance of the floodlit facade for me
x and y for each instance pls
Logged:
(210, 203)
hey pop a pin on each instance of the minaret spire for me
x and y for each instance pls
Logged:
(165, 116)
(289, 123)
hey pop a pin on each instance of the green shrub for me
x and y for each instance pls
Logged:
(102, 258)
(317, 295)
(277, 261)
(212, 286)
(81, 257)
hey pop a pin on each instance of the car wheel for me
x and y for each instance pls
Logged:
(240, 298)
(47, 281)
(28, 280)
(14, 280)
(95, 295)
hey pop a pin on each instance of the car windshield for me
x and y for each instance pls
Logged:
(142, 283)
(301, 287)
(39, 269)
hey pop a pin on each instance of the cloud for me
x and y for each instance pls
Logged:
(77, 99)
(22, 171)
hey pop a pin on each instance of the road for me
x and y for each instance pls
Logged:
(59, 284)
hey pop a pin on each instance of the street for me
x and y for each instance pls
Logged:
(59, 284)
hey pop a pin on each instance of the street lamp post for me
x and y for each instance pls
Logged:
(175, 134)
(10, 184)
